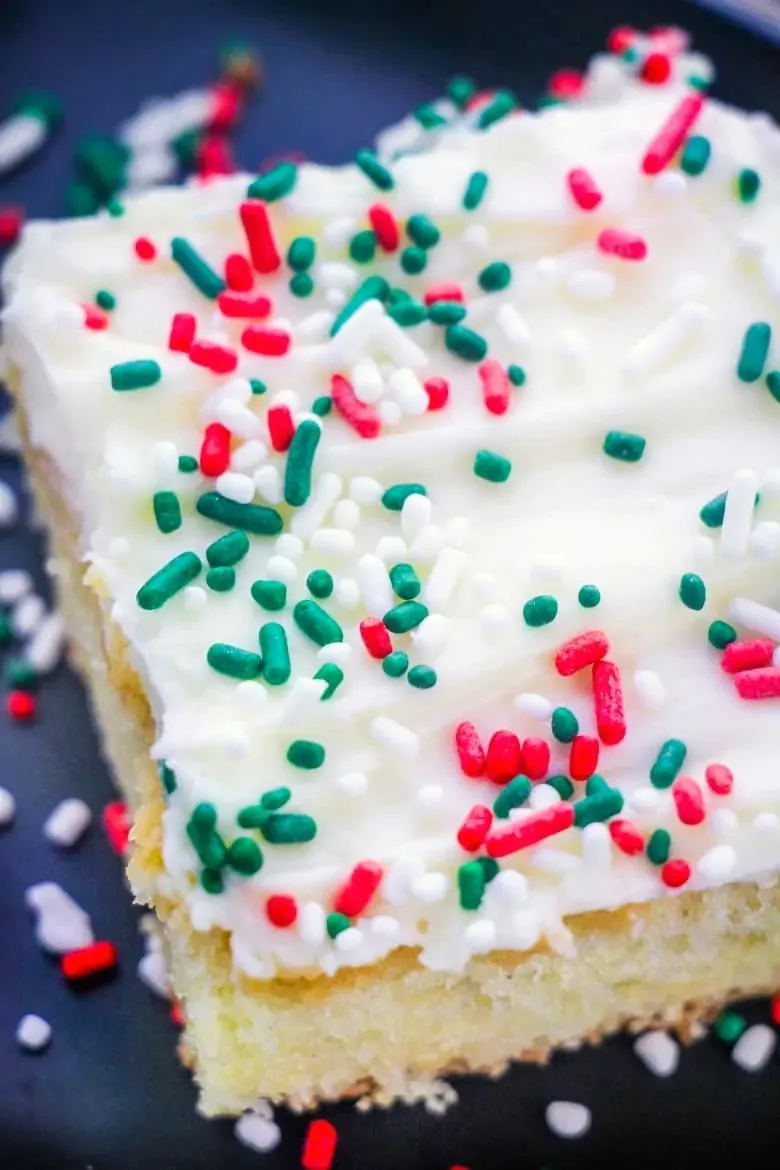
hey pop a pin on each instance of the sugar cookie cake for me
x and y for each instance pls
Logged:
(417, 527)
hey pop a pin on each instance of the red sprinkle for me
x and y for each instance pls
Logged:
(144, 248)
(583, 188)
(319, 1145)
(256, 307)
(504, 758)
(531, 830)
(215, 450)
(536, 758)
(675, 873)
(182, 332)
(11, 220)
(21, 705)
(475, 828)
(624, 245)
(747, 655)
(385, 226)
(582, 651)
(220, 359)
(176, 1014)
(720, 779)
(269, 342)
(496, 387)
(376, 637)
(116, 823)
(443, 292)
(259, 236)
(626, 836)
(238, 273)
(671, 136)
(621, 38)
(214, 158)
(759, 684)
(688, 800)
(438, 391)
(775, 1010)
(95, 317)
(359, 888)
(360, 415)
(100, 956)
(566, 84)
(281, 910)
(583, 756)
(657, 69)
(225, 106)
(471, 754)
(281, 426)
(608, 698)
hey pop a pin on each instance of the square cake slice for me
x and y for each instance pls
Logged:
(417, 528)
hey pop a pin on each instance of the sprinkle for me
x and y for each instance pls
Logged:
(116, 823)
(623, 245)
(753, 355)
(333, 676)
(582, 651)
(405, 617)
(202, 275)
(475, 190)
(495, 386)
(627, 837)
(567, 1119)
(360, 416)
(695, 155)
(7, 807)
(274, 184)
(245, 856)
(608, 699)
(688, 801)
(658, 847)
(773, 384)
(248, 517)
(374, 170)
(289, 829)
(385, 227)
(692, 591)
(748, 185)
(675, 873)
(312, 620)
(738, 514)
(270, 595)
(471, 885)
(668, 762)
(405, 581)
(219, 359)
(281, 910)
(228, 549)
(495, 277)
(624, 446)
(233, 661)
(33, 1033)
(274, 653)
(540, 610)
(352, 898)
(255, 307)
(504, 758)
(491, 467)
(375, 288)
(513, 796)
(502, 104)
(564, 724)
(583, 189)
(396, 664)
(182, 332)
(597, 805)
(167, 511)
(266, 341)
(465, 343)
(401, 740)
(759, 684)
(87, 961)
(761, 618)
(672, 134)
(536, 758)
(748, 655)
(471, 754)
(319, 583)
(729, 1026)
(105, 300)
(720, 779)
(319, 1146)
(168, 580)
(396, 496)
(238, 274)
(67, 823)
(721, 634)
(422, 677)
(754, 1048)
(583, 757)
(215, 450)
(259, 235)
(135, 375)
(589, 596)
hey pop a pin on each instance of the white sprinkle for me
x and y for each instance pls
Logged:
(427, 546)
(311, 923)
(664, 341)
(724, 822)
(759, 618)
(310, 517)
(338, 652)
(408, 391)
(240, 420)
(349, 940)
(399, 739)
(352, 783)
(645, 800)
(269, 483)
(302, 698)
(650, 689)
(315, 327)
(596, 846)
(346, 514)
(590, 286)
(390, 413)
(365, 490)
(257, 1133)
(457, 532)
(356, 334)
(251, 694)
(27, 615)
(367, 381)
(738, 514)
(347, 593)
(249, 456)
(523, 928)
(391, 549)
(550, 860)
(236, 486)
(195, 598)
(444, 577)
(509, 887)
(543, 796)
(67, 823)
(237, 390)
(333, 542)
(384, 926)
(494, 619)
(290, 546)
(14, 583)
(486, 586)
(476, 236)
(765, 540)
(767, 823)
(415, 515)
(338, 231)
(375, 585)
(431, 887)
(533, 705)
(61, 924)
(336, 298)
(658, 1052)
(286, 397)
(282, 569)
(670, 185)
(165, 459)
(432, 635)
(717, 863)
(7, 807)
(153, 972)
(430, 796)
(335, 274)
(33, 1033)
(480, 936)
(755, 1048)
(45, 648)
(513, 327)
(399, 344)
(567, 1119)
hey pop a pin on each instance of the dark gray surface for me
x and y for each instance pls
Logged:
(109, 1093)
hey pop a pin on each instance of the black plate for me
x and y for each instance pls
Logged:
(109, 1093)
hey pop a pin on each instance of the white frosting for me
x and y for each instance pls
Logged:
(649, 348)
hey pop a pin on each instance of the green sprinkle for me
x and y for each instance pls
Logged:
(773, 384)
(589, 596)
(721, 634)
(336, 924)
(105, 300)
(692, 591)
(714, 510)
(233, 661)
(167, 778)
(422, 231)
(564, 724)
(20, 675)
(245, 856)
(668, 762)
(755, 347)
(275, 798)
(312, 620)
(475, 190)
(135, 375)
(396, 496)
(374, 170)
(254, 816)
(695, 155)
(405, 581)
(300, 254)
(362, 246)
(624, 446)
(502, 104)
(395, 665)
(658, 847)
(562, 785)
(115, 209)
(212, 881)
(428, 117)
(188, 464)
(301, 285)
(375, 288)
(271, 595)
(460, 90)
(516, 375)
(248, 517)
(422, 677)
(168, 580)
(322, 406)
(275, 654)
(256, 386)
(395, 296)
(306, 753)
(6, 630)
(490, 868)
(221, 579)
(228, 549)
(167, 511)
(495, 277)
(202, 275)
(465, 343)
(300, 461)
(748, 185)
(729, 1026)
(598, 806)
(81, 200)
(404, 617)
(274, 184)
(204, 815)
(408, 313)
(446, 312)
(333, 676)
(492, 467)
(471, 885)
(289, 829)
(205, 840)
(413, 260)
(595, 784)
(540, 610)
(514, 795)
(319, 583)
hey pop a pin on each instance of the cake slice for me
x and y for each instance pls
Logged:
(417, 528)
